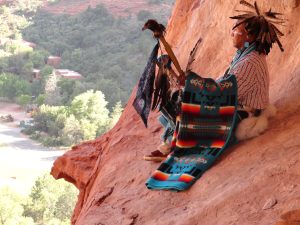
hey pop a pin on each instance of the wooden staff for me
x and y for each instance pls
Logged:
(171, 55)
(158, 32)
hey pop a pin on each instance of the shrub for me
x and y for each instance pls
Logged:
(11, 208)
(23, 100)
(50, 201)
(12, 86)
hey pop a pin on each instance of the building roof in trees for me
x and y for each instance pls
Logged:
(54, 61)
(68, 74)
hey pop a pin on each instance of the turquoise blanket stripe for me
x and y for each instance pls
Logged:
(185, 165)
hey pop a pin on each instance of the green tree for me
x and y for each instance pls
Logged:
(115, 114)
(72, 132)
(11, 86)
(27, 70)
(40, 100)
(90, 109)
(27, 5)
(11, 208)
(91, 129)
(66, 87)
(91, 106)
(84, 119)
(38, 57)
(99, 46)
(23, 100)
(47, 200)
(65, 203)
(10, 22)
(37, 89)
(46, 71)
(46, 117)
(52, 93)
(76, 56)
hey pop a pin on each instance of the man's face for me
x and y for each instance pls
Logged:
(239, 36)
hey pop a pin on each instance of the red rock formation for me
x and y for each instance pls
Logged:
(252, 183)
(290, 218)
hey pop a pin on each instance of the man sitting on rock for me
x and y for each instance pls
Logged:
(253, 35)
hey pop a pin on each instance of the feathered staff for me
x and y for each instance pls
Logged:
(261, 25)
(162, 86)
(158, 32)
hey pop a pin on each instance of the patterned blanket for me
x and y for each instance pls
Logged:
(203, 131)
(143, 99)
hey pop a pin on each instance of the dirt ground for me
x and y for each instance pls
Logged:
(15, 110)
(22, 159)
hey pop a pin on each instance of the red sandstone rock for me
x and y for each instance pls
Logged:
(110, 172)
(290, 218)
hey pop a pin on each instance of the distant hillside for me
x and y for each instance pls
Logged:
(116, 7)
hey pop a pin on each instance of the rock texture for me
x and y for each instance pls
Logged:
(254, 182)
(290, 218)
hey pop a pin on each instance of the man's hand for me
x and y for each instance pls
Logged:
(181, 79)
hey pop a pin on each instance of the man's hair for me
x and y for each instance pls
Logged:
(261, 26)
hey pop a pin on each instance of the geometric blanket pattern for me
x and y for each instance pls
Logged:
(203, 131)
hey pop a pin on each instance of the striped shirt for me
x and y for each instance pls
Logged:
(253, 80)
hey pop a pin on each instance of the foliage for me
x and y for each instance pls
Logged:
(91, 106)
(38, 58)
(23, 100)
(82, 130)
(16, 56)
(52, 94)
(40, 100)
(10, 23)
(16, 47)
(66, 87)
(85, 118)
(11, 86)
(72, 132)
(115, 114)
(109, 52)
(46, 71)
(27, 5)
(50, 201)
(111, 58)
(11, 209)
(45, 118)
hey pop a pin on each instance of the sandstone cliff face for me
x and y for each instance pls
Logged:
(254, 182)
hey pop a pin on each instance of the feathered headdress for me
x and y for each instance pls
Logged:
(261, 25)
